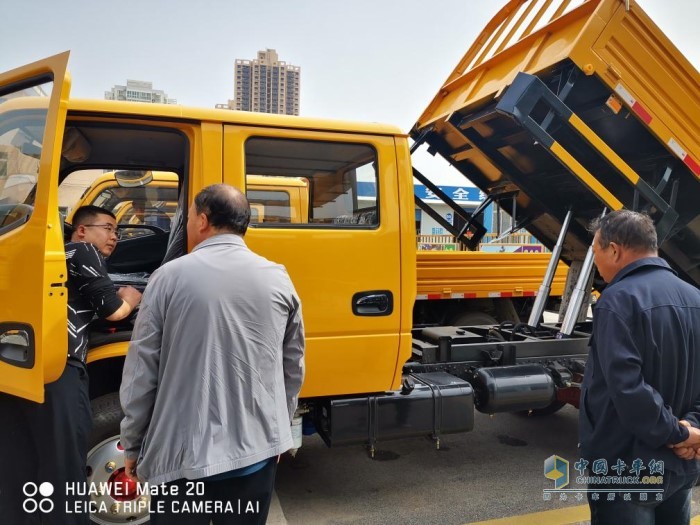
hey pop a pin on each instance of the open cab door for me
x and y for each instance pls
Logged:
(33, 297)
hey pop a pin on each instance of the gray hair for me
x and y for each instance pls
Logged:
(225, 207)
(630, 229)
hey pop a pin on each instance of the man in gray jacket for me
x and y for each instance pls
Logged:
(213, 373)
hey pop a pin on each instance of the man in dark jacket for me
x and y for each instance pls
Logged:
(640, 395)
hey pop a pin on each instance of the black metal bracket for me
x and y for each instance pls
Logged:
(420, 138)
(563, 93)
(472, 225)
(519, 101)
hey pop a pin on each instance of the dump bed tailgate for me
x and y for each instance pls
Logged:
(584, 105)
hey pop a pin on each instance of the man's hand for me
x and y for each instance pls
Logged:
(690, 448)
(686, 453)
(130, 469)
(129, 294)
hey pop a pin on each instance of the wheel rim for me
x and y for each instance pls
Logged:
(116, 499)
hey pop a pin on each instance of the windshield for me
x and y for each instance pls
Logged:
(141, 205)
(151, 205)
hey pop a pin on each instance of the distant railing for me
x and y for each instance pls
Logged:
(520, 242)
(514, 238)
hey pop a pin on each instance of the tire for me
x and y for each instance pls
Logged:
(105, 463)
(106, 417)
(472, 319)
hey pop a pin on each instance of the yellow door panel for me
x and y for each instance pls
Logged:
(341, 246)
(348, 365)
(33, 300)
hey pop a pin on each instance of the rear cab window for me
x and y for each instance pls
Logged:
(311, 183)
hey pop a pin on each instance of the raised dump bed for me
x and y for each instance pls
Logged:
(585, 105)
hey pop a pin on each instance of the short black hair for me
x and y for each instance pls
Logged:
(87, 214)
(631, 229)
(226, 208)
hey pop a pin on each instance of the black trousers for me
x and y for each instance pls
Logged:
(674, 509)
(242, 501)
(42, 443)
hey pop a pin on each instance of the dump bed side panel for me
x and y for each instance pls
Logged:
(457, 275)
(637, 60)
(479, 77)
(606, 115)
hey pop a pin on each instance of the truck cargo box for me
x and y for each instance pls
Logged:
(585, 105)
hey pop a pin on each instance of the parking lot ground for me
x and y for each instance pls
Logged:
(579, 515)
(493, 473)
(570, 516)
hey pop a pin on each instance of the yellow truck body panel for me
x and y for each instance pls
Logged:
(484, 275)
(601, 37)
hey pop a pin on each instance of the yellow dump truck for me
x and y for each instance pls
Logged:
(557, 113)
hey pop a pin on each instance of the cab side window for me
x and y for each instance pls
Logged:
(311, 183)
(22, 121)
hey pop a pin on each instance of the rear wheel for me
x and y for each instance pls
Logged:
(472, 319)
(105, 467)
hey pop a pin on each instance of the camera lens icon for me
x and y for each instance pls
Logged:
(31, 490)
(46, 489)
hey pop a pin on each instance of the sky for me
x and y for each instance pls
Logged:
(365, 60)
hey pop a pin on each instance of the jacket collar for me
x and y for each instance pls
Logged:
(222, 238)
(641, 263)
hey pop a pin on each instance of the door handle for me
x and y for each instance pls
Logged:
(373, 303)
(17, 344)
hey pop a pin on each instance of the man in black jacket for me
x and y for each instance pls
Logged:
(640, 395)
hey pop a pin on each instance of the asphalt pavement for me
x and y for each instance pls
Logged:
(495, 472)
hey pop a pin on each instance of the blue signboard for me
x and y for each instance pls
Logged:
(458, 193)
(367, 189)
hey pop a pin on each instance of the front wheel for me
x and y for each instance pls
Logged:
(114, 497)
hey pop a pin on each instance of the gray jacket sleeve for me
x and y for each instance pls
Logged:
(293, 355)
(140, 376)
